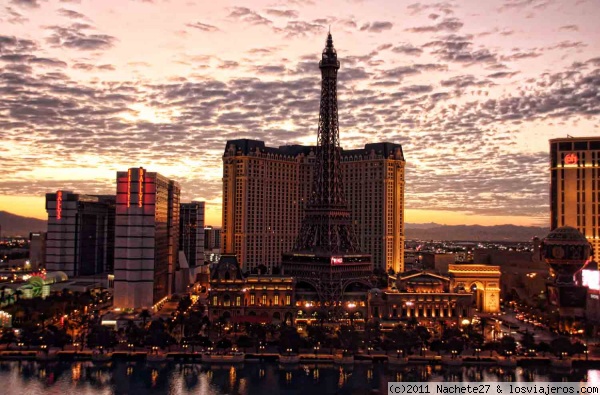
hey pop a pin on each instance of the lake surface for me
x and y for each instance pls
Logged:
(87, 378)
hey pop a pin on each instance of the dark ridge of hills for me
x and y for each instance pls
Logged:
(475, 232)
(16, 225)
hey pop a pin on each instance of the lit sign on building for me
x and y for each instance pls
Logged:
(129, 188)
(59, 204)
(141, 187)
(570, 159)
(591, 279)
(337, 260)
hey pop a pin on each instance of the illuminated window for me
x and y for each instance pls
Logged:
(264, 299)
(252, 299)
(214, 302)
(276, 299)
(288, 300)
(238, 301)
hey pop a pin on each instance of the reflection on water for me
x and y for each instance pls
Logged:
(87, 378)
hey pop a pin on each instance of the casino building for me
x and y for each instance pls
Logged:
(81, 233)
(575, 186)
(254, 299)
(147, 238)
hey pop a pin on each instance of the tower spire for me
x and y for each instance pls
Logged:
(327, 226)
(327, 255)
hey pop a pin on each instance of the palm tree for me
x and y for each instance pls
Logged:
(145, 315)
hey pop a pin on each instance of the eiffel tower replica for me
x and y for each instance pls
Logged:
(327, 254)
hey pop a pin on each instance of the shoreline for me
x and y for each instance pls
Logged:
(295, 359)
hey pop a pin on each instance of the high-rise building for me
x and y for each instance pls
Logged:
(575, 186)
(265, 190)
(191, 235)
(212, 238)
(80, 237)
(37, 250)
(147, 238)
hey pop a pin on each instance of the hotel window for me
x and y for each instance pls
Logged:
(264, 300)
(276, 300)
(288, 300)
(214, 301)
(238, 301)
(252, 299)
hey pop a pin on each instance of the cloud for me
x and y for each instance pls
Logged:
(91, 67)
(245, 14)
(71, 14)
(282, 13)
(454, 48)
(407, 49)
(300, 29)
(26, 3)
(503, 74)
(448, 25)
(376, 27)
(14, 16)
(441, 7)
(571, 28)
(75, 37)
(203, 26)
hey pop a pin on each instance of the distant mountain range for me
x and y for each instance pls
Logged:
(434, 231)
(15, 225)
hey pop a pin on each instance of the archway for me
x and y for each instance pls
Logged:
(478, 290)
(276, 316)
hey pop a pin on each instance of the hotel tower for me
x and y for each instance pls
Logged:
(575, 186)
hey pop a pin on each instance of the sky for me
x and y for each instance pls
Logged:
(473, 90)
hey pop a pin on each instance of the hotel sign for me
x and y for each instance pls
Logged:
(337, 260)
(59, 201)
(571, 159)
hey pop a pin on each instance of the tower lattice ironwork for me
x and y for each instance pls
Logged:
(327, 253)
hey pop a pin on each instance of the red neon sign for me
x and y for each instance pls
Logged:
(570, 159)
(59, 204)
(337, 260)
(141, 187)
(129, 188)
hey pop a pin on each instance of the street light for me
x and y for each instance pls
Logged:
(316, 350)
(586, 351)
(289, 351)
(130, 345)
(423, 351)
(369, 349)
(477, 351)
(398, 354)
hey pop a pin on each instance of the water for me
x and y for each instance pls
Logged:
(87, 378)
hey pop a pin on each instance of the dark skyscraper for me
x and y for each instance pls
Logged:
(81, 233)
(327, 254)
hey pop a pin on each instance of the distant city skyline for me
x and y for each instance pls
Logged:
(472, 90)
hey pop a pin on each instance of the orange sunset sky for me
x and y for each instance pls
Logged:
(473, 90)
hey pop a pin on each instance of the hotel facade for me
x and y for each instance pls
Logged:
(147, 238)
(265, 190)
(575, 186)
(80, 237)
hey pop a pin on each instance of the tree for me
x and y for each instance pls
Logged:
(508, 345)
(544, 347)
(402, 339)
(145, 316)
(244, 342)
(8, 337)
(224, 344)
(560, 346)
(528, 341)
(348, 338)
(289, 338)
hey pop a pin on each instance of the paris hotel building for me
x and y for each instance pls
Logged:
(265, 190)
(575, 186)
